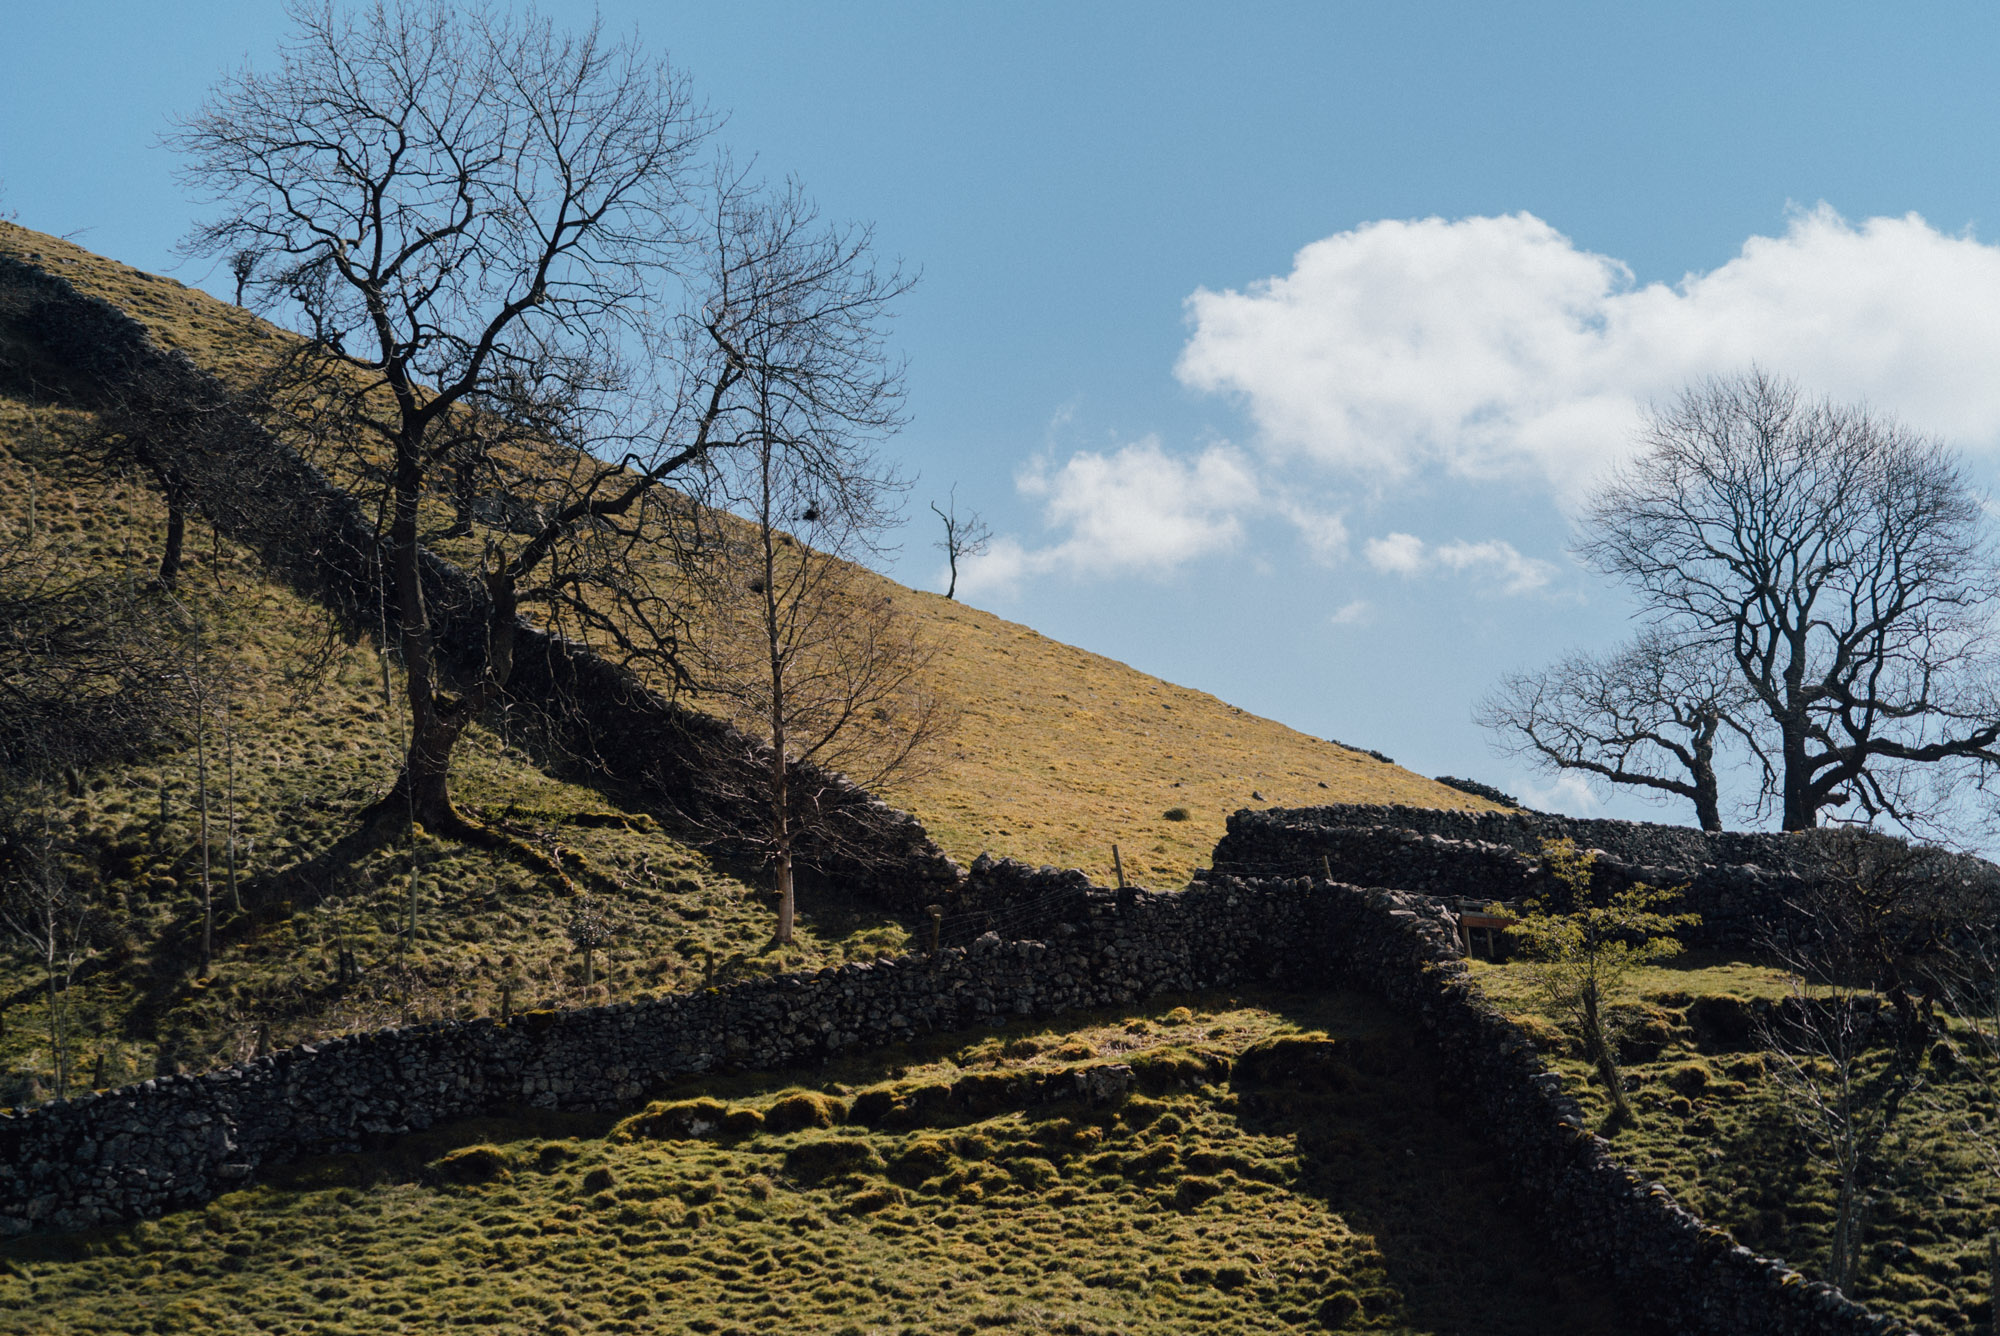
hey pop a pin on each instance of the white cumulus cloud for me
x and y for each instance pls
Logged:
(1406, 554)
(1493, 347)
(1137, 509)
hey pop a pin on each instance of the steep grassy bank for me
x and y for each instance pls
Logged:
(1285, 1165)
(300, 733)
(1061, 752)
(1717, 1128)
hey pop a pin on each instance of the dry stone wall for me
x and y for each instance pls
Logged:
(177, 1141)
(1746, 886)
(1602, 1216)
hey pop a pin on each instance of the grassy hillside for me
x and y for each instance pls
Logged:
(309, 731)
(1061, 753)
(1312, 1183)
(1715, 1126)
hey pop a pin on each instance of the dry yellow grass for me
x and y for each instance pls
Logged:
(1060, 753)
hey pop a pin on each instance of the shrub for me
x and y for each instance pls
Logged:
(1175, 814)
(808, 1108)
(814, 1161)
(676, 1122)
(473, 1164)
(925, 1159)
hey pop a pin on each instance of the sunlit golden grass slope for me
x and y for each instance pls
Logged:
(1059, 754)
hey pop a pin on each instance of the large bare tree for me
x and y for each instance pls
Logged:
(495, 240)
(1841, 563)
(1650, 716)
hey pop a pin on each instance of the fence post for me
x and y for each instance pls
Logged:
(937, 925)
(1118, 866)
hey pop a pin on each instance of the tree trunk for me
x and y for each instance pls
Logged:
(1707, 793)
(170, 554)
(781, 835)
(201, 784)
(229, 810)
(1598, 1048)
(423, 792)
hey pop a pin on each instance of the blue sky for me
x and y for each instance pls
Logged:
(1277, 342)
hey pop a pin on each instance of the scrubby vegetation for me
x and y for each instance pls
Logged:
(1284, 1164)
(1712, 1123)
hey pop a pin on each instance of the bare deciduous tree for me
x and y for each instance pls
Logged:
(86, 663)
(965, 535)
(825, 673)
(51, 919)
(1841, 563)
(487, 231)
(1649, 716)
(242, 266)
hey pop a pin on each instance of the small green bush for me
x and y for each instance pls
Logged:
(925, 1159)
(814, 1161)
(808, 1108)
(680, 1121)
(1175, 814)
(474, 1164)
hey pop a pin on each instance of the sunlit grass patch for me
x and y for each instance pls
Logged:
(1712, 1124)
(1260, 1204)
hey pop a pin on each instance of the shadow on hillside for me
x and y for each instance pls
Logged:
(1387, 1144)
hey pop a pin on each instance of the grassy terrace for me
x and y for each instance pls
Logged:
(1715, 1128)
(1287, 1164)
